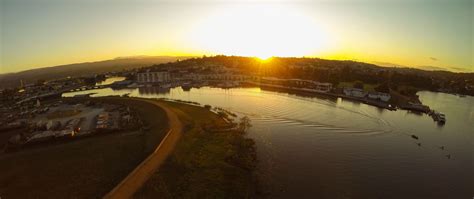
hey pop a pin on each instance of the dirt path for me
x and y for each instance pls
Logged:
(142, 172)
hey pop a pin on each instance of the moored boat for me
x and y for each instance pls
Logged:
(438, 117)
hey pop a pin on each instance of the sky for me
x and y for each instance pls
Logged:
(435, 34)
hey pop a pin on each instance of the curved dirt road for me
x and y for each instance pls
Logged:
(142, 172)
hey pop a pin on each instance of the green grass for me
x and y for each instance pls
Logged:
(85, 168)
(204, 164)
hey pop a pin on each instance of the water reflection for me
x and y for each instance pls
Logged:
(153, 90)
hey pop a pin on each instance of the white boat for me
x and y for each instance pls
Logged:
(439, 117)
(166, 86)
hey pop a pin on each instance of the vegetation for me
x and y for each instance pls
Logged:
(205, 163)
(85, 168)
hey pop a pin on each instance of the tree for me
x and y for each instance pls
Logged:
(383, 88)
(359, 85)
(244, 124)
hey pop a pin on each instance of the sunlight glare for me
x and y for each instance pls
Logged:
(264, 58)
(260, 30)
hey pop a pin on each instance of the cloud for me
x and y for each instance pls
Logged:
(426, 67)
(388, 64)
(463, 69)
(432, 68)
(433, 59)
(447, 68)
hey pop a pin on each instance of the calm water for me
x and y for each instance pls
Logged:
(332, 148)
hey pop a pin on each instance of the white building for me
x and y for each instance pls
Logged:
(153, 77)
(323, 87)
(379, 96)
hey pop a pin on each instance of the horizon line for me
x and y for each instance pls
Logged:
(376, 63)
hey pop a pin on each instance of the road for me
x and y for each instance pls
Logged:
(145, 170)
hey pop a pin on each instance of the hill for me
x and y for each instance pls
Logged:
(82, 69)
(406, 80)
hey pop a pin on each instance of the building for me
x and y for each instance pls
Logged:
(103, 120)
(108, 121)
(379, 96)
(153, 77)
(355, 92)
(323, 87)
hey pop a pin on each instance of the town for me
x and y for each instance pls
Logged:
(28, 105)
(194, 73)
(58, 121)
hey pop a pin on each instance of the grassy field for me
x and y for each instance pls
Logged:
(204, 164)
(86, 168)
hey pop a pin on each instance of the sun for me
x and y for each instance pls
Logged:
(264, 58)
(259, 30)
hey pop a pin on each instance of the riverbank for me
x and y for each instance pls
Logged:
(205, 163)
(397, 101)
(312, 92)
(85, 168)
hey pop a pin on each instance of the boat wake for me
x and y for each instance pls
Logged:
(319, 127)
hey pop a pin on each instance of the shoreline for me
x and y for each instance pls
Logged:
(375, 103)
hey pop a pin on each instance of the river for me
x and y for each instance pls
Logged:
(311, 147)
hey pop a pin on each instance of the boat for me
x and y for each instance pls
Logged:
(441, 118)
(120, 84)
(166, 86)
(186, 86)
(133, 85)
(438, 117)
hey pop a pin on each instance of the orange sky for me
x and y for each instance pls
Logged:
(410, 33)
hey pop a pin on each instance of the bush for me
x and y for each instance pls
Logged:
(383, 88)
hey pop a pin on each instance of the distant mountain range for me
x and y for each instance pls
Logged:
(82, 69)
(131, 62)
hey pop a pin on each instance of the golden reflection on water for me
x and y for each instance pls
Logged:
(342, 144)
